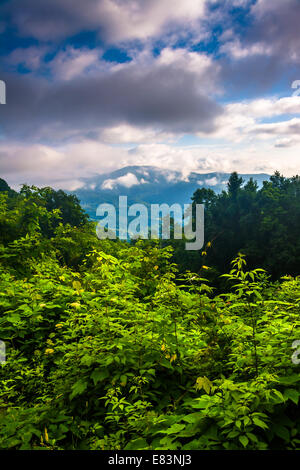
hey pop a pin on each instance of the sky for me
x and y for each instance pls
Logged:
(185, 85)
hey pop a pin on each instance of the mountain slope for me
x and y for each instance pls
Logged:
(148, 184)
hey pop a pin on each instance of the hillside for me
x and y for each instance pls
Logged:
(149, 184)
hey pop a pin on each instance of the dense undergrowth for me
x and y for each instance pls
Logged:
(109, 347)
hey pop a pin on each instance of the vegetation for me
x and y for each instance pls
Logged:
(110, 347)
(264, 224)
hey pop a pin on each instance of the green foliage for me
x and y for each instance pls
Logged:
(109, 347)
(264, 224)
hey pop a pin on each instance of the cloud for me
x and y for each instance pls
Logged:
(286, 142)
(241, 121)
(268, 107)
(274, 32)
(71, 62)
(240, 141)
(277, 24)
(114, 20)
(127, 181)
(68, 166)
(172, 93)
(259, 44)
(76, 114)
(2, 27)
(290, 127)
(212, 181)
(29, 57)
(125, 134)
(237, 50)
(60, 167)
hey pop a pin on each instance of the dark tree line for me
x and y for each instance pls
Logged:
(263, 224)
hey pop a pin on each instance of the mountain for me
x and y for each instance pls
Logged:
(148, 184)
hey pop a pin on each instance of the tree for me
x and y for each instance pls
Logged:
(4, 187)
(68, 205)
(234, 184)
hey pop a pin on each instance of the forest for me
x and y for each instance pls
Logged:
(114, 345)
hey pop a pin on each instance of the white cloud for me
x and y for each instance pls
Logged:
(286, 142)
(262, 108)
(212, 181)
(127, 181)
(147, 18)
(73, 62)
(126, 133)
(237, 50)
(241, 121)
(290, 127)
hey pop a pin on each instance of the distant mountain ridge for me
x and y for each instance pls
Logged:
(150, 185)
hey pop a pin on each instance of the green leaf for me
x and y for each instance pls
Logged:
(174, 429)
(289, 380)
(282, 432)
(99, 375)
(76, 285)
(260, 423)
(123, 380)
(205, 383)
(244, 440)
(137, 444)
(200, 403)
(193, 418)
(292, 395)
(78, 388)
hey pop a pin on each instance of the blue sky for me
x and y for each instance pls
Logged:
(188, 85)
